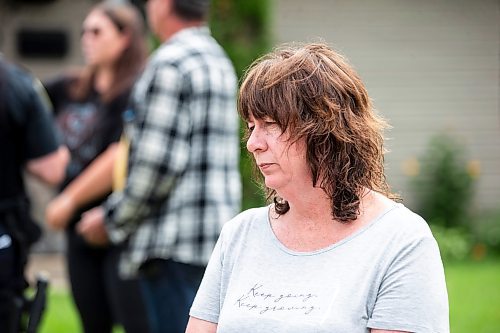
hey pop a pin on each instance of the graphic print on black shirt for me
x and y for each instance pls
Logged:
(77, 124)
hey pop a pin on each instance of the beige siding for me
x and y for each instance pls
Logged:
(429, 65)
(66, 15)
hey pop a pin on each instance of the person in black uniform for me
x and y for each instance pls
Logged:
(28, 143)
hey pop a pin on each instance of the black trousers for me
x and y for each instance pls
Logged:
(101, 296)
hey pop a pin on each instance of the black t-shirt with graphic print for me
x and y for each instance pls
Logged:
(87, 126)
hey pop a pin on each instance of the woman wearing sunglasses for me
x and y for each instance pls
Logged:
(88, 106)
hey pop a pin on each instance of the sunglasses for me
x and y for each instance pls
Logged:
(93, 31)
(98, 31)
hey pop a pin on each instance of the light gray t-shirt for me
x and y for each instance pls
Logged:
(388, 275)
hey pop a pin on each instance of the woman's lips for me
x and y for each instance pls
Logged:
(264, 166)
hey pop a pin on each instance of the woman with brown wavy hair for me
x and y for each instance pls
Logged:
(334, 251)
(89, 105)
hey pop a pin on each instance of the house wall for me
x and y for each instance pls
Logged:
(62, 15)
(429, 65)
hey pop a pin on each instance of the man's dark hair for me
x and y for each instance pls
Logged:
(191, 10)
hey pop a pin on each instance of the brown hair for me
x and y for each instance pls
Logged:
(128, 66)
(314, 94)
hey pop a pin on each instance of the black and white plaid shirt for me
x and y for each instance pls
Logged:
(183, 179)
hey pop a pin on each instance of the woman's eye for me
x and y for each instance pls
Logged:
(272, 126)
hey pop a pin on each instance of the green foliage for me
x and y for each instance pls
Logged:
(241, 27)
(454, 243)
(253, 194)
(444, 187)
(487, 231)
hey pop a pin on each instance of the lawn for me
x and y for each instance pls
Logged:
(473, 288)
(474, 294)
(60, 315)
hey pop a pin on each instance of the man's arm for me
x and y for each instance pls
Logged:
(44, 157)
(50, 168)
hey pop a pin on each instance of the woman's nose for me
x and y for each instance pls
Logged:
(255, 141)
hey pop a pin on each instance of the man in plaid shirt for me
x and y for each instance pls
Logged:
(183, 181)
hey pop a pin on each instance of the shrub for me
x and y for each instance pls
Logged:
(444, 187)
(242, 28)
(454, 243)
(487, 231)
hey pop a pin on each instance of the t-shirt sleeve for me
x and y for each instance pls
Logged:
(207, 303)
(40, 131)
(56, 89)
(412, 296)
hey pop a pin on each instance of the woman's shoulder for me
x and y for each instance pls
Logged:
(59, 84)
(250, 218)
(401, 220)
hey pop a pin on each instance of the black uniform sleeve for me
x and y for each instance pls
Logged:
(40, 134)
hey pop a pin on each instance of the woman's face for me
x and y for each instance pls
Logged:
(102, 41)
(282, 164)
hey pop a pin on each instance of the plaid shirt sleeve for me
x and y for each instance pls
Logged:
(159, 153)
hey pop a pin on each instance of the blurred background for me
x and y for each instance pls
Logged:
(432, 68)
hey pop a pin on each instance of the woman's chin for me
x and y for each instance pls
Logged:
(272, 184)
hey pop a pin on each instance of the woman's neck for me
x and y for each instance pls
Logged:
(308, 207)
(103, 79)
(309, 224)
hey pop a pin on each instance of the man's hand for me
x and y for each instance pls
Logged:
(91, 227)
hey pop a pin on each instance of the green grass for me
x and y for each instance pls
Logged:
(473, 288)
(60, 315)
(474, 294)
